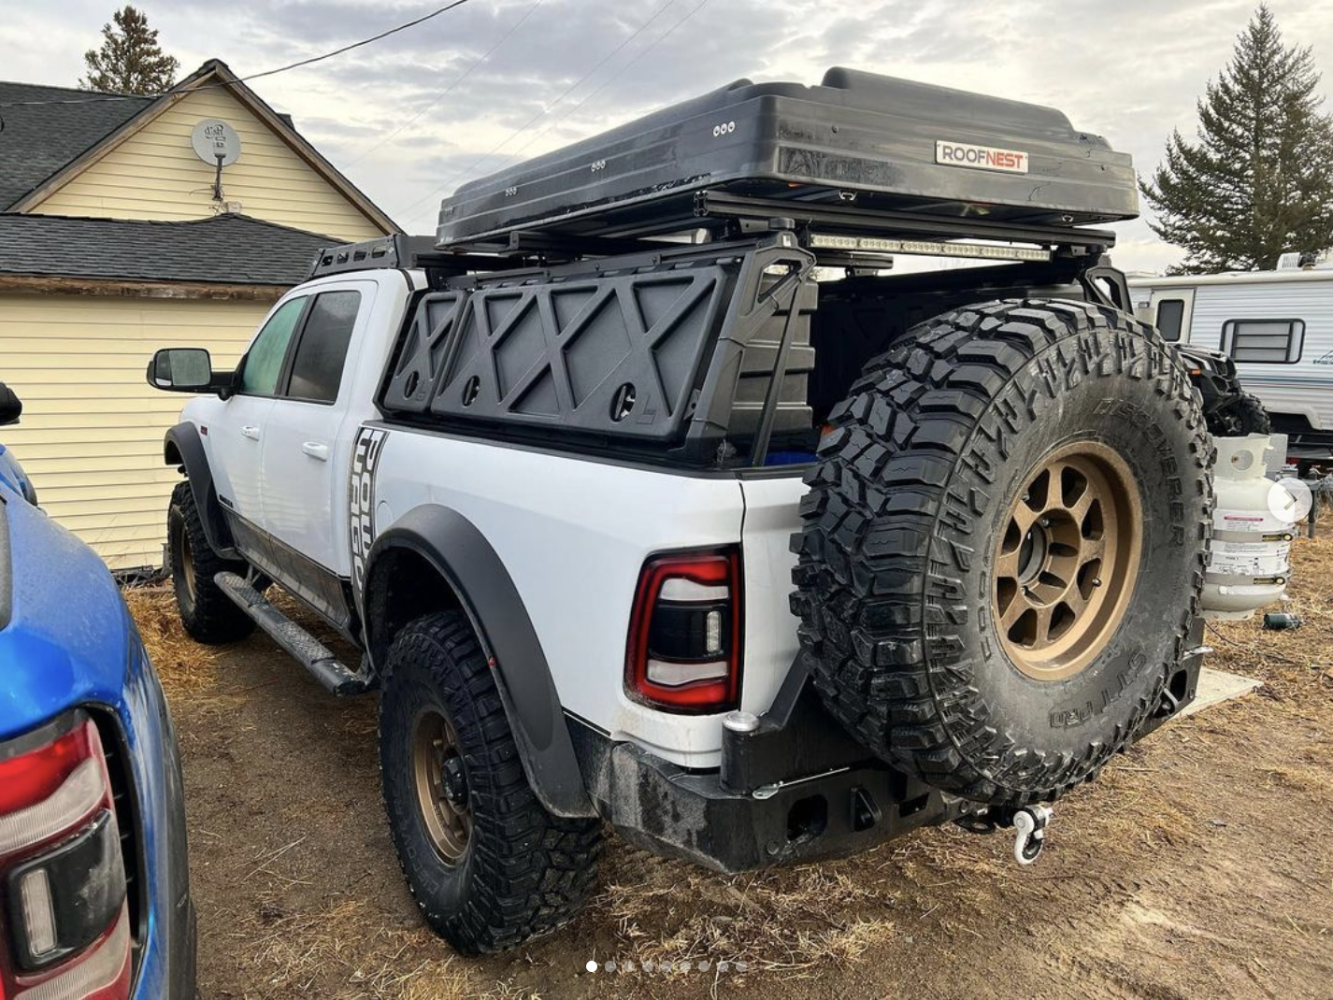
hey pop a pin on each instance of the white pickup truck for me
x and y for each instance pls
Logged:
(666, 533)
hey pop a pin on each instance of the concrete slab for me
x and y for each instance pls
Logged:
(1216, 686)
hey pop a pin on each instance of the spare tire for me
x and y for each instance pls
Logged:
(1003, 545)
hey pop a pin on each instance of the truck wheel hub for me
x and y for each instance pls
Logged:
(454, 781)
(441, 785)
(1067, 560)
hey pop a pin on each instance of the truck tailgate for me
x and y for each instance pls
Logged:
(772, 515)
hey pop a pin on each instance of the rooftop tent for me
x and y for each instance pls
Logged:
(881, 142)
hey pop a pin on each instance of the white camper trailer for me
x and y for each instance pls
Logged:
(1276, 325)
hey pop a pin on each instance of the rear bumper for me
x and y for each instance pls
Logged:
(665, 809)
(796, 789)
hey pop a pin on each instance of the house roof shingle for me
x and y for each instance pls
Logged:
(224, 249)
(43, 143)
(36, 141)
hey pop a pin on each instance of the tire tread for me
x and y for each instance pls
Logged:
(532, 871)
(877, 544)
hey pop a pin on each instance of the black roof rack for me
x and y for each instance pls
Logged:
(512, 252)
(385, 252)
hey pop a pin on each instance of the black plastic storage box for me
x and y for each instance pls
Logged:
(858, 139)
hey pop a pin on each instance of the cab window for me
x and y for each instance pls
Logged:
(263, 362)
(317, 368)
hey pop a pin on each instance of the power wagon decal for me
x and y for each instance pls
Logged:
(361, 508)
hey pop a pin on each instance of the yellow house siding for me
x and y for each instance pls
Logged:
(91, 433)
(154, 174)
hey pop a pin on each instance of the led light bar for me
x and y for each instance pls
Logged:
(928, 248)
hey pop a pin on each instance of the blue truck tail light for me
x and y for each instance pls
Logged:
(66, 925)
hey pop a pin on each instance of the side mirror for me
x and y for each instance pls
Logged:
(10, 406)
(184, 369)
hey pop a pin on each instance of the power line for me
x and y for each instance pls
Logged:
(102, 98)
(605, 83)
(544, 111)
(447, 90)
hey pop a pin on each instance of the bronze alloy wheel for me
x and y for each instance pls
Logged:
(187, 567)
(184, 557)
(441, 784)
(1067, 560)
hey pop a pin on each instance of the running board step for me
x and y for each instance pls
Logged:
(312, 654)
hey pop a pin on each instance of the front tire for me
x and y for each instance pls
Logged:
(1242, 416)
(207, 613)
(488, 866)
(1003, 546)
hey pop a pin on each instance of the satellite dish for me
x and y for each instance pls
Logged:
(212, 138)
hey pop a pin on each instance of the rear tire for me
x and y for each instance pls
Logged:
(207, 613)
(488, 866)
(1003, 546)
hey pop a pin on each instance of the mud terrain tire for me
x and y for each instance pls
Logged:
(208, 614)
(907, 550)
(514, 871)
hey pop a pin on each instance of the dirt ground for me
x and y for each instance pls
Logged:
(1199, 865)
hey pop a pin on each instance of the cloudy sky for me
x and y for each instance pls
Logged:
(412, 116)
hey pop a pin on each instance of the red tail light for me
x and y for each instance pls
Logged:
(684, 652)
(63, 916)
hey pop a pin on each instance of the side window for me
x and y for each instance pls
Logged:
(263, 362)
(318, 366)
(1170, 313)
(1266, 341)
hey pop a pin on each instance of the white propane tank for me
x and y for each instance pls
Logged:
(1251, 552)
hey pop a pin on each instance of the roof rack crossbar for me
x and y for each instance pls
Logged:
(406, 252)
(714, 204)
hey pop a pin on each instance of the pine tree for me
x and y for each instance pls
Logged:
(1259, 181)
(130, 60)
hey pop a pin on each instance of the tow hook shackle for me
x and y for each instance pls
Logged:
(1030, 833)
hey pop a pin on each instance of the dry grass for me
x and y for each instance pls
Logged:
(183, 665)
(291, 954)
(797, 923)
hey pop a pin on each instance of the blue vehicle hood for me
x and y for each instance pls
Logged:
(64, 631)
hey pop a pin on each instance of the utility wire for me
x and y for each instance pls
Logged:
(447, 90)
(544, 111)
(610, 79)
(102, 98)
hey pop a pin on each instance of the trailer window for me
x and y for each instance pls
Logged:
(1263, 341)
(1170, 314)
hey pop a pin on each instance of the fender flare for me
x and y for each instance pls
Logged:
(182, 446)
(456, 550)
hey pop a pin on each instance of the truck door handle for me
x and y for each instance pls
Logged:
(316, 450)
(251, 432)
